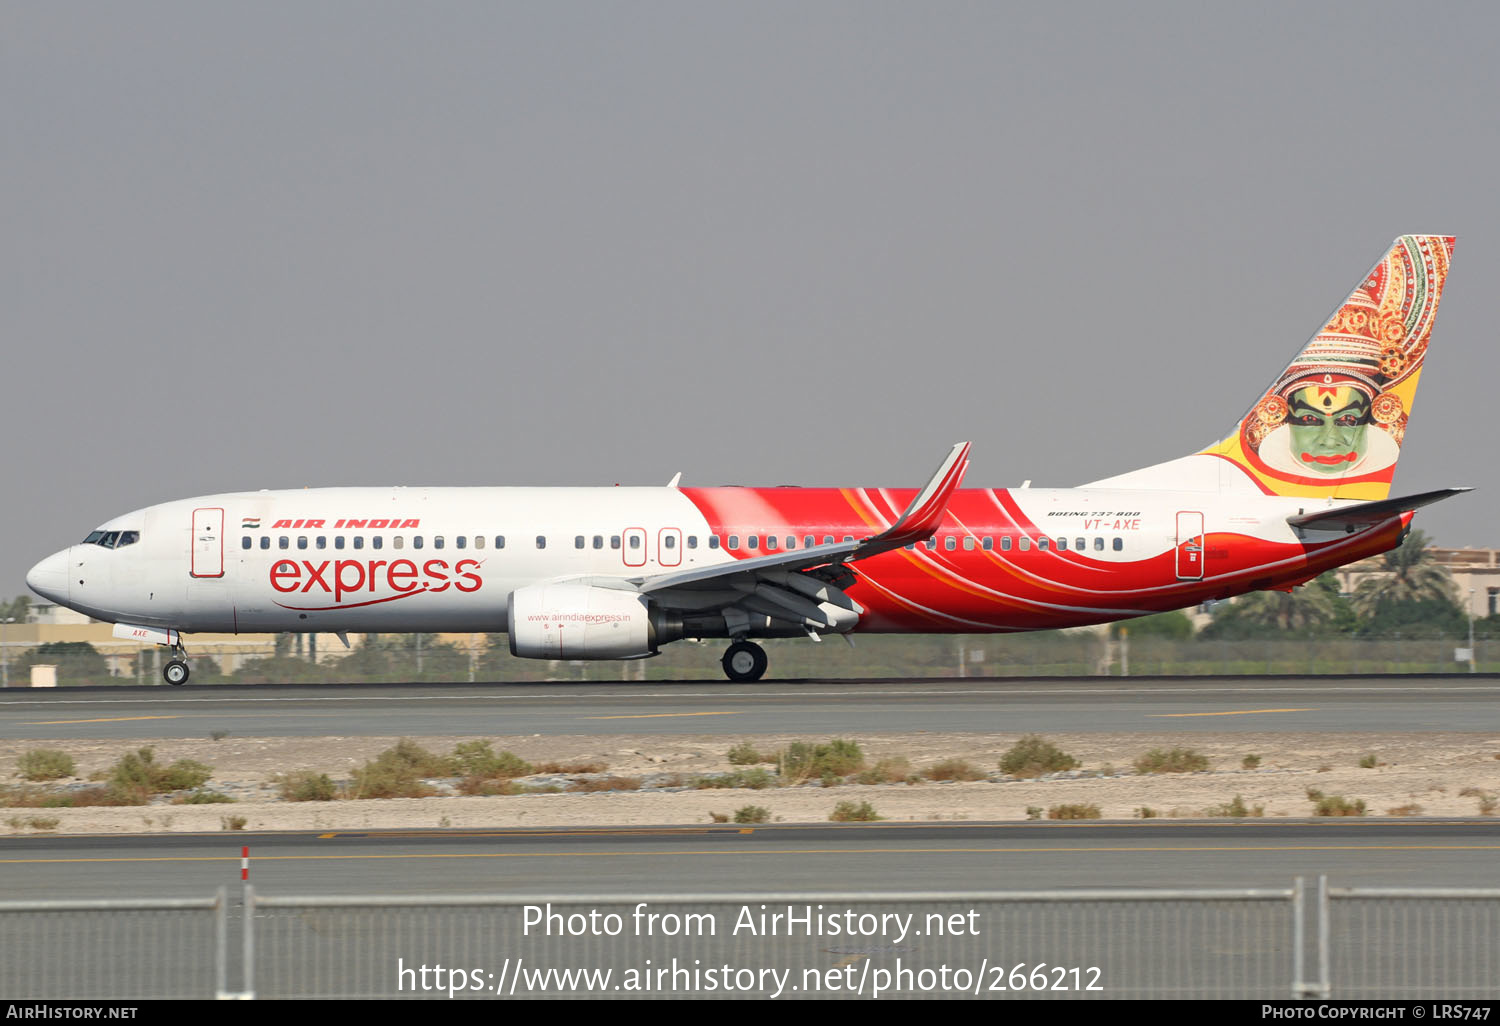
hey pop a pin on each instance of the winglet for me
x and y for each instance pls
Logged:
(926, 511)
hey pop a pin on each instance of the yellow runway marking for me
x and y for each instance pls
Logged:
(845, 852)
(111, 719)
(1232, 712)
(661, 716)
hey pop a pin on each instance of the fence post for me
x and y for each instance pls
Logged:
(1299, 926)
(221, 943)
(1325, 986)
(248, 983)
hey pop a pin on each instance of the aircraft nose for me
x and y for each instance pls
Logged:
(49, 578)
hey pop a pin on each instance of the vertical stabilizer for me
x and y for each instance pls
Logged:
(1332, 423)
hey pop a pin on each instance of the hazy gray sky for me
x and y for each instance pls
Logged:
(276, 245)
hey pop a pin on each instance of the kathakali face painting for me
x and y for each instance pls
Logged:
(1338, 413)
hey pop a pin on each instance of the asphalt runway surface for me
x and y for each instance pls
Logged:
(873, 858)
(1143, 705)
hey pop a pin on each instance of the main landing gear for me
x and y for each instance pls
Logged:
(176, 671)
(744, 661)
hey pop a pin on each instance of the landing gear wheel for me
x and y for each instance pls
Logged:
(175, 672)
(744, 661)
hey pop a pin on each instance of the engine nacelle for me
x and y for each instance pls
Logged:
(579, 621)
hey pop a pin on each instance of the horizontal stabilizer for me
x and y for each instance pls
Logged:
(1363, 514)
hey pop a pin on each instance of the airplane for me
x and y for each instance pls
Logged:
(1300, 486)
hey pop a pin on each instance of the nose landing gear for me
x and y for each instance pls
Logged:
(176, 671)
(744, 661)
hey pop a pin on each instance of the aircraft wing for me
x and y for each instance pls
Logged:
(777, 586)
(919, 521)
(1364, 514)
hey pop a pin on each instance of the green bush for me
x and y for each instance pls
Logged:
(954, 769)
(752, 814)
(1033, 755)
(204, 798)
(745, 754)
(756, 779)
(476, 759)
(1171, 760)
(305, 786)
(1250, 762)
(801, 761)
(887, 771)
(45, 764)
(1236, 809)
(138, 771)
(849, 812)
(1338, 805)
(1074, 811)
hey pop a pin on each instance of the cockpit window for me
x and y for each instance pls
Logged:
(109, 539)
(128, 538)
(93, 537)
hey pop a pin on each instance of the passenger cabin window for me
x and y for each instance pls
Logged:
(753, 541)
(499, 541)
(1119, 544)
(541, 541)
(809, 541)
(1080, 544)
(670, 541)
(1041, 544)
(828, 539)
(245, 542)
(398, 541)
(692, 541)
(338, 542)
(1098, 544)
(598, 541)
(437, 541)
(989, 543)
(416, 541)
(301, 541)
(791, 541)
(321, 542)
(713, 541)
(265, 541)
(479, 541)
(376, 541)
(283, 542)
(460, 542)
(359, 541)
(1005, 543)
(734, 541)
(770, 542)
(614, 541)
(931, 544)
(950, 543)
(1025, 544)
(578, 541)
(635, 541)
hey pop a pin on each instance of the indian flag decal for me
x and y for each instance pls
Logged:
(248, 522)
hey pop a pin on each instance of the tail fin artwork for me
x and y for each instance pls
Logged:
(1332, 423)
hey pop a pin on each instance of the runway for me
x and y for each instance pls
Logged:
(1140, 705)
(874, 858)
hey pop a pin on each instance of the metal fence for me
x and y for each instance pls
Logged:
(1307, 940)
(124, 949)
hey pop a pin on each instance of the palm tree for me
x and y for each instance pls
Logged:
(1409, 575)
(1300, 610)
